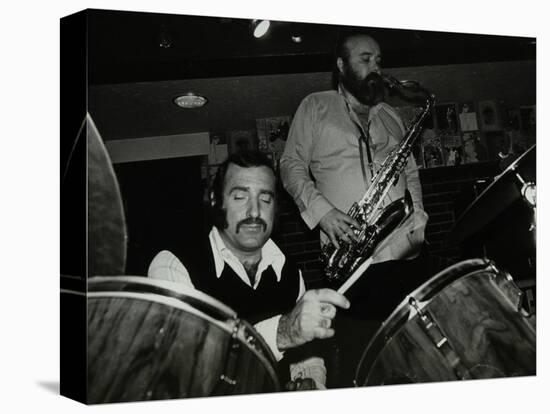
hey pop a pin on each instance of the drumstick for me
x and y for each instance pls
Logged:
(353, 278)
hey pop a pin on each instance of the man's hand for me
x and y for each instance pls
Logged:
(338, 225)
(310, 319)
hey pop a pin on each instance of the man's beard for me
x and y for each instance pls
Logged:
(368, 91)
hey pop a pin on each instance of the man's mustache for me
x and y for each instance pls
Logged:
(251, 221)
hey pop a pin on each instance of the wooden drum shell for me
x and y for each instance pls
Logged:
(477, 309)
(147, 341)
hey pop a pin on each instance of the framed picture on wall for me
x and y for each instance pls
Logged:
(475, 149)
(218, 148)
(489, 116)
(432, 152)
(446, 117)
(467, 117)
(453, 150)
(272, 133)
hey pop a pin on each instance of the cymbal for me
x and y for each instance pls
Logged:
(497, 197)
(106, 222)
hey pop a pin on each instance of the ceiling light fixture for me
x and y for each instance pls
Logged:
(190, 100)
(260, 27)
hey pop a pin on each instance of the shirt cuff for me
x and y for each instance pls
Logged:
(313, 215)
(268, 330)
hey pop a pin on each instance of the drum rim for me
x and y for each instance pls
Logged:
(424, 293)
(163, 300)
(163, 287)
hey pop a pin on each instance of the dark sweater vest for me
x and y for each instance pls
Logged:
(270, 298)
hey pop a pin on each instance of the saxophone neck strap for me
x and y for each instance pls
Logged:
(364, 138)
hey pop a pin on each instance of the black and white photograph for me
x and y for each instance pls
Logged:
(336, 261)
(273, 211)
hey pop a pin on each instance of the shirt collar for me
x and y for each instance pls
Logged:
(271, 256)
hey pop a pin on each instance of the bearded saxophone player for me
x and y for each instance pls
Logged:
(376, 223)
(338, 142)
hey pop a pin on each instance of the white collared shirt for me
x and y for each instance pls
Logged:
(271, 256)
(166, 266)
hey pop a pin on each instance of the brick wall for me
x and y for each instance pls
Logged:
(297, 241)
(447, 191)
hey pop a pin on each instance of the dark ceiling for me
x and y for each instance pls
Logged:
(126, 47)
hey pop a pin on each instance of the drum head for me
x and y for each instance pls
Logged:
(151, 339)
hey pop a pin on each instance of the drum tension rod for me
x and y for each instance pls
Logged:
(231, 361)
(435, 334)
(441, 342)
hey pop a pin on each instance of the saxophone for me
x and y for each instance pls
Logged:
(377, 223)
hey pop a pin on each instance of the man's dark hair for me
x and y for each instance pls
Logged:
(244, 159)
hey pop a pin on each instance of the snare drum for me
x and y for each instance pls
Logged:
(466, 322)
(151, 339)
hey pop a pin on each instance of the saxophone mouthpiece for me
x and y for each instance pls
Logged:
(390, 81)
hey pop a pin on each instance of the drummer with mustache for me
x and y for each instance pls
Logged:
(245, 269)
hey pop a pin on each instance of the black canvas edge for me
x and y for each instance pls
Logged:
(73, 206)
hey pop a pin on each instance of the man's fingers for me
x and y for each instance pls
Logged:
(322, 333)
(339, 227)
(334, 239)
(333, 297)
(344, 235)
(351, 234)
(328, 310)
(350, 221)
(347, 233)
(325, 323)
(347, 228)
